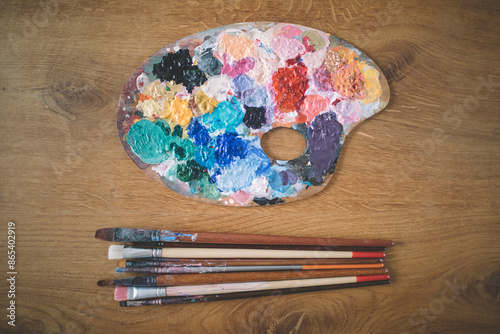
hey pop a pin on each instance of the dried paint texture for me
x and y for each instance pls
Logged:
(196, 110)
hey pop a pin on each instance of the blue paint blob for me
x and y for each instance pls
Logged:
(288, 177)
(242, 83)
(226, 116)
(247, 91)
(243, 171)
(148, 141)
(205, 157)
(198, 133)
(228, 147)
(255, 97)
(323, 143)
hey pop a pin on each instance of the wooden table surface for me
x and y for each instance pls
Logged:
(424, 172)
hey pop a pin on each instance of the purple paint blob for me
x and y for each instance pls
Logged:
(323, 139)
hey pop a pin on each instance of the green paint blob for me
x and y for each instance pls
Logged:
(209, 190)
(190, 171)
(163, 125)
(181, 149)
(148, 141)
(177, 131)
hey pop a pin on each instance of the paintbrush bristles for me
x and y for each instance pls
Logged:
(105, 282)
(121, 292)
(115, 252)
(105, 234)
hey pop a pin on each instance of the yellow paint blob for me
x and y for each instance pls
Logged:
(156, 98)
(180, 112)
(238, 47)
(372, 84)
(150, 108)
(204, 103)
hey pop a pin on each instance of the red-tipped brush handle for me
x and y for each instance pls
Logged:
(369, 278)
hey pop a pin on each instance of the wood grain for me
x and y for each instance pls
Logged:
(424, 172)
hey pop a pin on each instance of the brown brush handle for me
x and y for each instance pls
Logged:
(145, 235)
(240, 262)
(216, 278)
(255, 239)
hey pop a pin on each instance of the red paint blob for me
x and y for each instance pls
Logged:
(290, 85)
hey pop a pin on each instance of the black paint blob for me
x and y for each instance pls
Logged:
(254, 117)
(209, 64)
(265, 201)
(179, 67)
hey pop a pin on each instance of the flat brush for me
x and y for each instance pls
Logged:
(144, 235)
(134, 293)
(192, 279)
(241, 295)
(290, 247)
(228, 269)
(123, 252)
(238, 262)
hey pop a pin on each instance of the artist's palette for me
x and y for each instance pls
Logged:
(192, 115)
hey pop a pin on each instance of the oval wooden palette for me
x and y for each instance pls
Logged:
(192, 115)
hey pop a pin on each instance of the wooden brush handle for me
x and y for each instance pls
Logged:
(256, 239)
(193, 279)
(262, 253)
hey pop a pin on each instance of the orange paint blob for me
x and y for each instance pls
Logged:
(349, 81)
(238, 47)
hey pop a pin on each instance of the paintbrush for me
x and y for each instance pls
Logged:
(240, 295)
(134, 293)
(238, 262)
(123, 252)
(291, 247)
(228, 269)
(144, 235)
(191, 279)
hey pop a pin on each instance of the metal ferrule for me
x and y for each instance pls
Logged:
(137, 281)
(137, 253)
(135, 293)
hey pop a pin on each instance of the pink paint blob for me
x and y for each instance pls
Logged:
(312, 106)
(290, 31)
(238, 68)
(287, 48)
(349, 110)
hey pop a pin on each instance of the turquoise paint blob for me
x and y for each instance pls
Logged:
(226, 116)
(148, 141)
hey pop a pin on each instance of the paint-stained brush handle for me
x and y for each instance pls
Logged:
(145, 235)
(285, 247)
(241, 295)
(239, 262)
(215, 278)
(230, 269)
